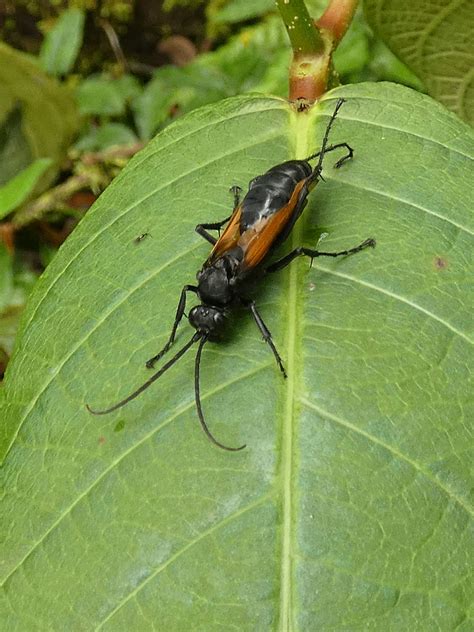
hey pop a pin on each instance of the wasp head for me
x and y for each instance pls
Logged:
(206, 319)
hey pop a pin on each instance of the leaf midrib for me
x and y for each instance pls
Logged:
(299, 126)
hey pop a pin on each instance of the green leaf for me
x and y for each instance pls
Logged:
(15, 152)
(104, 136)
(98, 95)
(128, 86)
(186, 88)
(49, 114)
(6, 277)
(255, 60)
(104, 96)
(353, 53)
(240, 10)
(384, 65)
(434, 39)
(15, 285)
(349, 509)
(17, 190)
(62, 44)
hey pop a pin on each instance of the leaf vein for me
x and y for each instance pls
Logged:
(205, 534)
(344, 116)
(122, 456)
(347, 424)
(397, 297)
(408, 203)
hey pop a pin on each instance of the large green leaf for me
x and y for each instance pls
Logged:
(349, 509)
(434, 38)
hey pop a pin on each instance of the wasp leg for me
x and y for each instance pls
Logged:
(202, 229)
(312, 254)
(348, 156)
(267, 336)
(179, 315)
(236, 190)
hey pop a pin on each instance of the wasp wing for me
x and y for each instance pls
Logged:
(257, 241)
(229, 237)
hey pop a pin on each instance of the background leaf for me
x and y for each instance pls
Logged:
(240, 10)
(104, 136)
(349, 509)
(6, 277)
(62, 43)
(49, 114)
(105, 96)
(15, 152)
(16, 191)
(435, 40)
(15, 285)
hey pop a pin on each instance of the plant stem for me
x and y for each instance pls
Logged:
(313, 43)
(304, 37)
(90, 174)
(49, 200)
(337, 17)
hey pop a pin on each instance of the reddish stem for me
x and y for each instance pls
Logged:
(337, 17)
(313, 44)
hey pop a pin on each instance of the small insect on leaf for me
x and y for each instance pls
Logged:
(141, 238)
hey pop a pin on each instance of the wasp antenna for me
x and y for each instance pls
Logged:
(198, 401)
(319, 166)
(323, 149)
(149, 382)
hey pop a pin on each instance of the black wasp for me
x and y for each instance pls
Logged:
(258, 223)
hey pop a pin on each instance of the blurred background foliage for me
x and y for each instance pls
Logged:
(85, 84)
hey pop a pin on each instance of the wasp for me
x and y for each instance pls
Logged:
(258, 224)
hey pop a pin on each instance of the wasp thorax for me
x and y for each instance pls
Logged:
(213, 286)
(206, 319)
